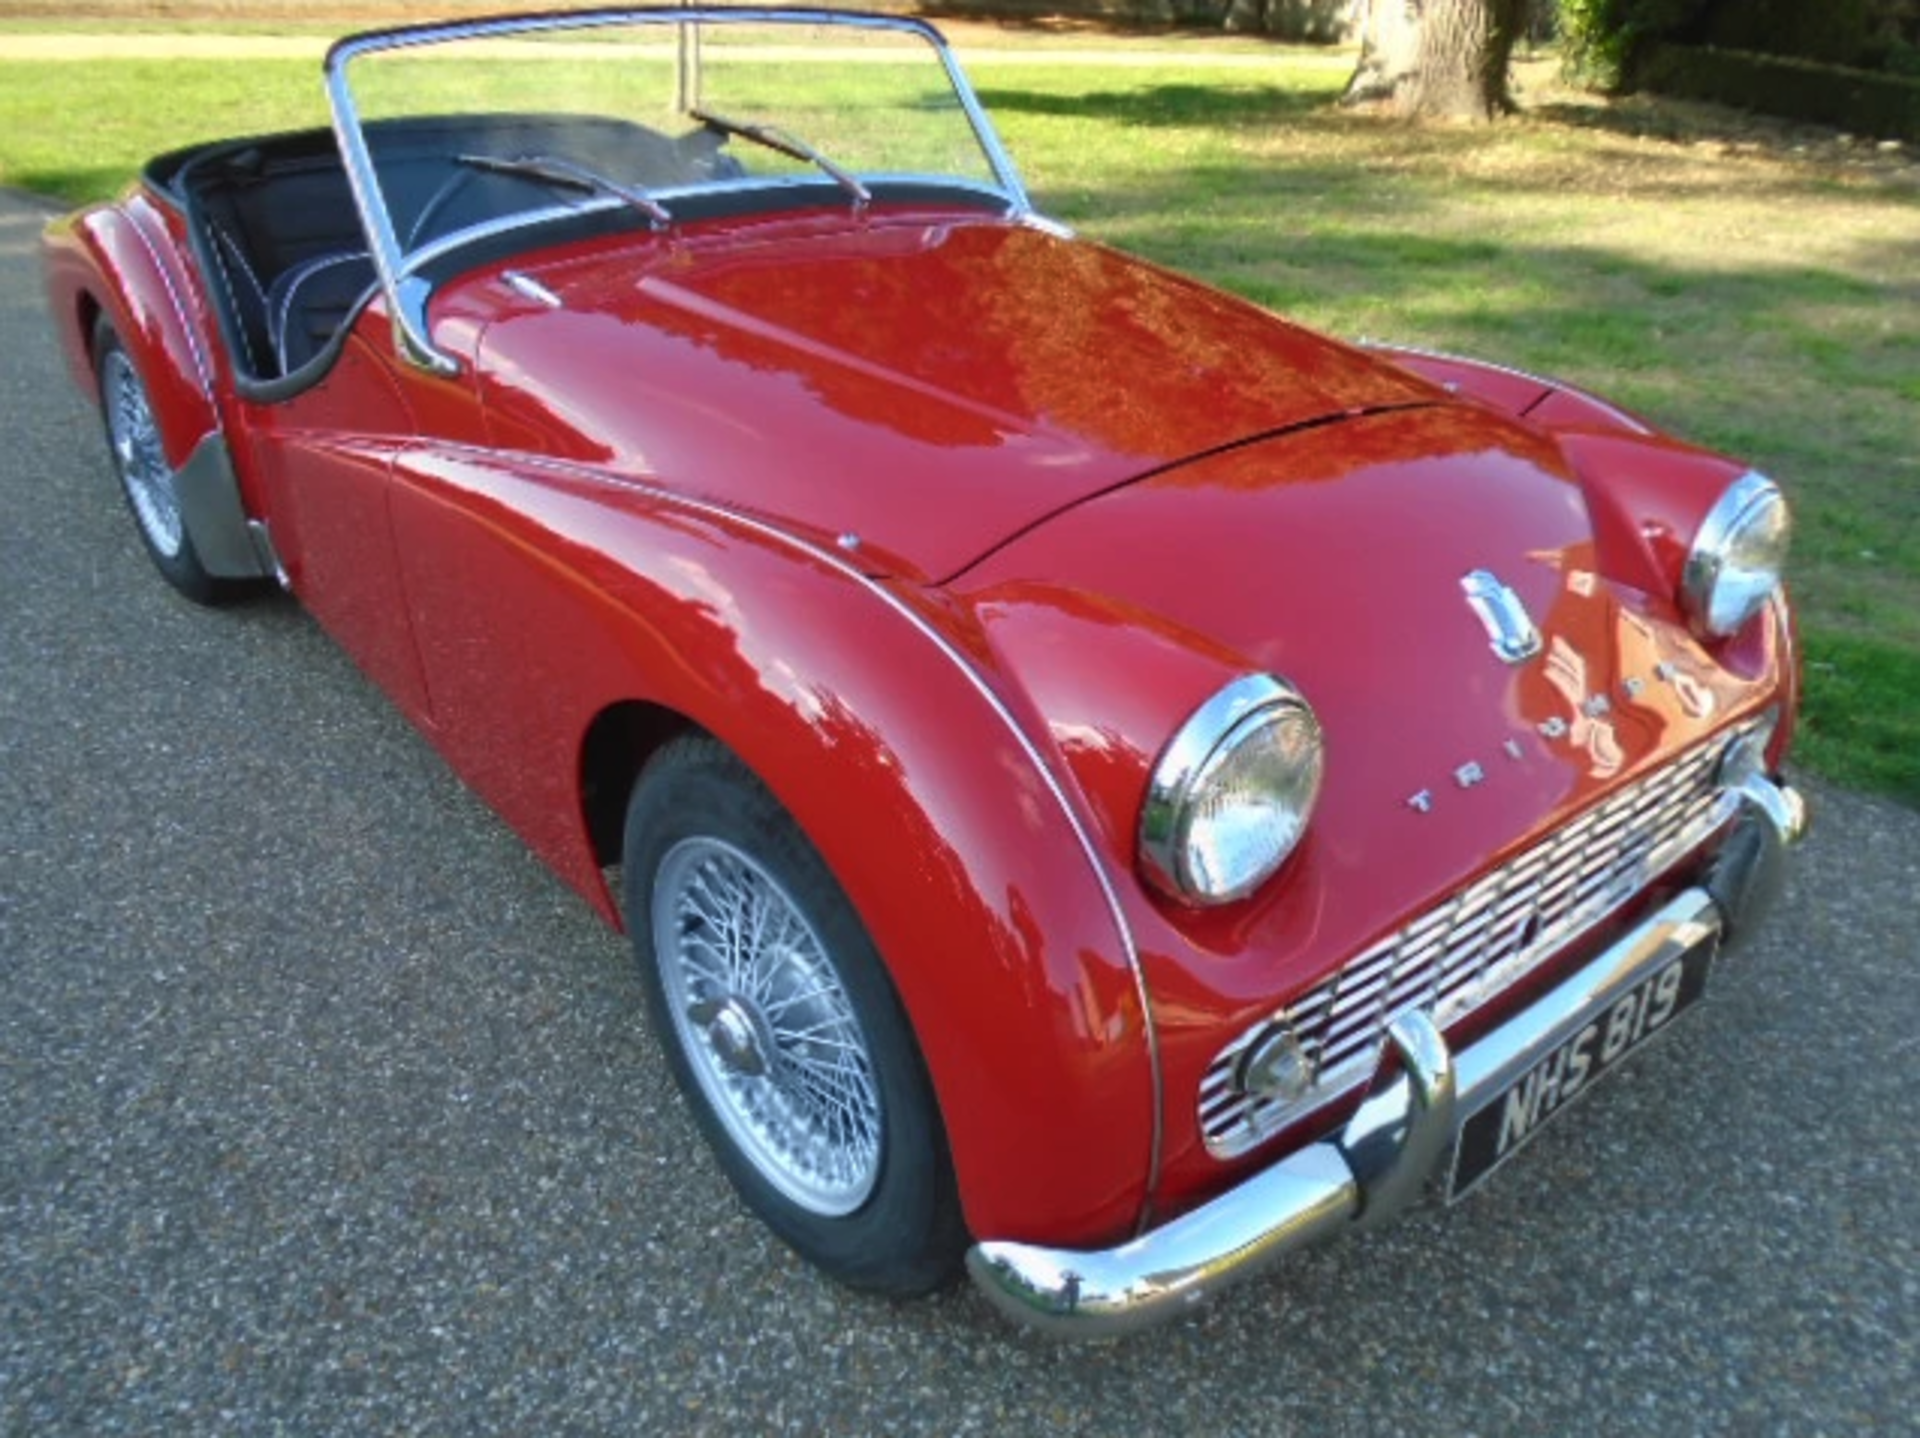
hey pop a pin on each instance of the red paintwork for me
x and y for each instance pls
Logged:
(1109, 489)
(1399, 504)
(125, 261)
(767, 365)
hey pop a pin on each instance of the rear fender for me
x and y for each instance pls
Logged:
(120, 261)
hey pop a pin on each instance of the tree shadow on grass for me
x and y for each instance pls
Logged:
(1647, 117)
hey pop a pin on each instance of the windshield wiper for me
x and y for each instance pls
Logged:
(556, 171)
(790, 146)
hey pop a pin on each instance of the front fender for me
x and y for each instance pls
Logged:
(954, 842)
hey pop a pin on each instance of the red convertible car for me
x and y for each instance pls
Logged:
(1104, 785)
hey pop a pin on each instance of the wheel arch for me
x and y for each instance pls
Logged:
(87, 311)
(619, 741)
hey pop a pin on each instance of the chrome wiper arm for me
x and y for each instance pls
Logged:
(791, 146)
(556, 171)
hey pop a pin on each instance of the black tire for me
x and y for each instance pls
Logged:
(147, 483)
(705, 839)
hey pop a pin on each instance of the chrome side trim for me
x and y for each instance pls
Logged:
(1398, 1139)
(210, 508)
(203, 369)
(1123, 930)
(269, 556)
(528, 287)
(1046, 225)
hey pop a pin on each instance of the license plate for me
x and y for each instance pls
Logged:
(1496, 1131)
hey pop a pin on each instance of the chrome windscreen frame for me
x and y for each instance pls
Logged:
(407, 291)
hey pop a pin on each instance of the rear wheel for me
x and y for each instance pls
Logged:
(783, 1028)
(150, 484)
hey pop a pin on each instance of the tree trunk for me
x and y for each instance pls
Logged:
(1438, 58)
(1389, 40)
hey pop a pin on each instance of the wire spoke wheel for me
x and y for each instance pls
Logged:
(770, 1033)
(783, 1028)
(138, 456)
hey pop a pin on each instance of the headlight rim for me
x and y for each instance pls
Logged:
(1220, 720)
(1739, 506)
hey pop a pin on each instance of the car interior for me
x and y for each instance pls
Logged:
(280, 236)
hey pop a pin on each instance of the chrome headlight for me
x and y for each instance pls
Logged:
(1231, 793)
(1736, 559)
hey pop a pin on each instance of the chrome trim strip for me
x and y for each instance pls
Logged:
(1122, 928)
(269, 556)
(1398, 1139)
(528, 287)
(1034, 220)
(201, 365)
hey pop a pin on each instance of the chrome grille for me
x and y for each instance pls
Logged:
(1476, 944)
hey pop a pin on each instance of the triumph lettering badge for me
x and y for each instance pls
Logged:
(1510, 629)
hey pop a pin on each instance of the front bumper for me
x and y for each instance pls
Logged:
(1400, 1137)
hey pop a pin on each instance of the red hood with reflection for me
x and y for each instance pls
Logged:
(932, 385)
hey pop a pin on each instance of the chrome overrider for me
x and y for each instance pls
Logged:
(1403, 1133)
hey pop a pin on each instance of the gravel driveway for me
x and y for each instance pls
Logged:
(329, 1111)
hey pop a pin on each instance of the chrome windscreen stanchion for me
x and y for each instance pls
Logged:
(686, 71)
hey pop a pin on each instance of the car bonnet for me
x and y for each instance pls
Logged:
(930, 383)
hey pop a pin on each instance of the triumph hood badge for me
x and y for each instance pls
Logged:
(1510, 629)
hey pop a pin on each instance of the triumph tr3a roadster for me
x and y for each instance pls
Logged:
(1105, 786)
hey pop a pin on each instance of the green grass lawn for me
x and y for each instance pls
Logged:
(1746, 296)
